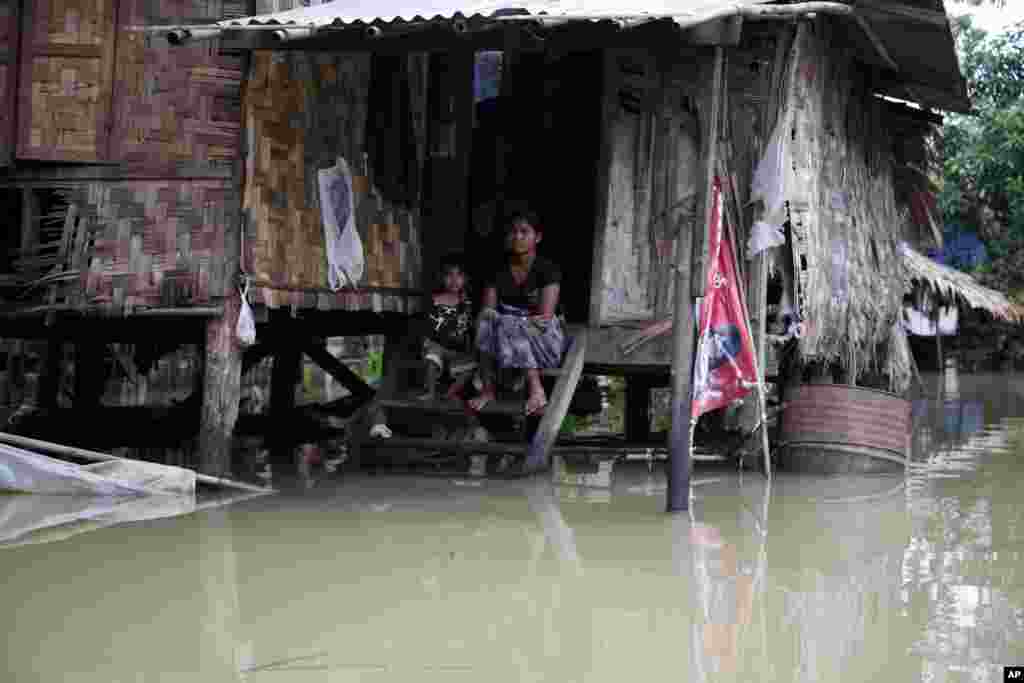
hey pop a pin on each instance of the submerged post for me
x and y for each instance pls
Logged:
(682, 328)
(221, 368)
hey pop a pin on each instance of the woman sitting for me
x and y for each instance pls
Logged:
(517, 327)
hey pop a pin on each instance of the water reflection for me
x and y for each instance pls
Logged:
(396, 578)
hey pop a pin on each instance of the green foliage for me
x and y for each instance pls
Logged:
(983, 172)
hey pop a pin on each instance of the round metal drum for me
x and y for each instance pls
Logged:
(835, 428)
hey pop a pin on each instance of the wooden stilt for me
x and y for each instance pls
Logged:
(49, 380)
(221, 373)
(678, 497)
(638, 408)
(285, 374)
(90, 373)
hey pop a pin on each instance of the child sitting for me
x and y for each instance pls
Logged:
(446, 345)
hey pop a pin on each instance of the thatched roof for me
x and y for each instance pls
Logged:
(955, 285)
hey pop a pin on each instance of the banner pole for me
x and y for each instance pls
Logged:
(765, 446)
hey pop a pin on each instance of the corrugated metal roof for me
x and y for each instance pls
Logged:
(342, 12)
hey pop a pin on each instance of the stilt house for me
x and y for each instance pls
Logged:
(160, 154)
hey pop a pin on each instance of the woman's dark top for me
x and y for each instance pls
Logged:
(543, 272)
(449, 325)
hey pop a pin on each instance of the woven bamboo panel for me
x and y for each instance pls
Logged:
(67, 68)
(176, 110)
(302, 112)
(157, 243)
(66, 105)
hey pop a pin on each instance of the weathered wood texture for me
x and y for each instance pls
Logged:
(652, 153)
(66, 73)
(302, 112)
(177, 110)
(222, 383)
(8, 63)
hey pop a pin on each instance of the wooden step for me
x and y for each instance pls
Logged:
(447, 445)
(448, 407)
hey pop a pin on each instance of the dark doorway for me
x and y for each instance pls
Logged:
(538, 144)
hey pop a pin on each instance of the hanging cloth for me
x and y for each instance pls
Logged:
(345, 259)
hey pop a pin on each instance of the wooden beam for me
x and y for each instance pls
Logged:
(884, 10)
(539, 455)
(678, 495)
(338, 370)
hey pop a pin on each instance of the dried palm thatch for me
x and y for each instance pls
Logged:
(842, 209)
(953, 285)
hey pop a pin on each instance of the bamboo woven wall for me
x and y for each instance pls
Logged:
(158, 243)
(177, 110)
(64, 89)
(302, 112)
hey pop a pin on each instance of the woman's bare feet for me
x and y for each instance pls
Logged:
(536, 402)
(486, 395)
(538, 399)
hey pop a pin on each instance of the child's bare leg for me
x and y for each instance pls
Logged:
(487, 392)
(537, 398)
(433, 374)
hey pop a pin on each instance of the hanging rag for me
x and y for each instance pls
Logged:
(770, 178)
(345, 259)
(764, 236)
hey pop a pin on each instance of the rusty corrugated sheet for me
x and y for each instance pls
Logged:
(846, 415)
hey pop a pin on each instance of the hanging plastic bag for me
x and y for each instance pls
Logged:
(769, 184)
(246, 328)
(345, 260)
(764, 236)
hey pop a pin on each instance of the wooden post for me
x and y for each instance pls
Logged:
(221, 372)
(285, 374)
(89, 373)
(682, 329)
(638, 409)
(49, 380)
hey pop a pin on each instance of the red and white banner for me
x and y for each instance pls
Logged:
(724, 367)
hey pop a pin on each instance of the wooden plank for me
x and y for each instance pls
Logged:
(557, 408)
(496, 407)
(446, 445)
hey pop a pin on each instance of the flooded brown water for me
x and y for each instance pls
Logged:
(400, 578)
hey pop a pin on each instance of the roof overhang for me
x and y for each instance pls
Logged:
(909, 48)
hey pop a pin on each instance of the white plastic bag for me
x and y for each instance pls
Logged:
(246, 328)
(345, 260)
(769, 184)
(764, 236)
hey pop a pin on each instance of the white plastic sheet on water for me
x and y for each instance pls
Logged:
(23, 471)
(45, 519)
